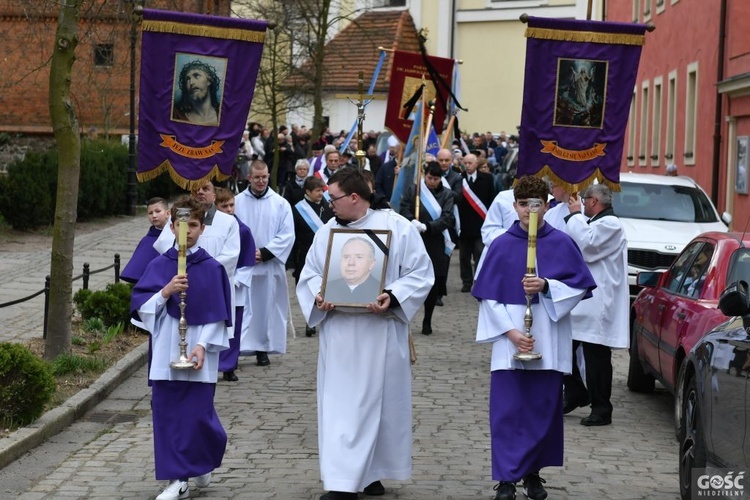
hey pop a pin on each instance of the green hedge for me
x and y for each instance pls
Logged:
(26, 385)
(29, 190)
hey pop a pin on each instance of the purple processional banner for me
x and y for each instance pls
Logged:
(197, 80)
(576, 99)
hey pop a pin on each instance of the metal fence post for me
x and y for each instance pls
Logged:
(46, 305)
(117, 268)
(86, 274)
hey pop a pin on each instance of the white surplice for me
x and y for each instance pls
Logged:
(267, 305)
(364, 369)
(603, 319)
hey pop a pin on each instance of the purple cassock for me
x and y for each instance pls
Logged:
(189, 440)
(526, 418)
(210, 305)
(229, 358)
(142, 255)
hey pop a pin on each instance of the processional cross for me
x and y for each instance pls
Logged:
(362, 100)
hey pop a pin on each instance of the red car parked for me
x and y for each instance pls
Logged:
(679, 305)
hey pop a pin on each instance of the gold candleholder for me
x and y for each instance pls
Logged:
(183, 363)
(535, 205)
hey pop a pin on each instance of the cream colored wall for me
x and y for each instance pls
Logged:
(493, 57)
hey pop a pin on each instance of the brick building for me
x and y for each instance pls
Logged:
(100, 90)
(691, 101)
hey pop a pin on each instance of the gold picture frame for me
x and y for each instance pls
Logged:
(356, 260)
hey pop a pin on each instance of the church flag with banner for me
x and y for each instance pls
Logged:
(577, 90)
(407, 71)
(198, 75)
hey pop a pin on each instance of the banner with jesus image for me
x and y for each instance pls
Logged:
(198, 75)
(577, 90)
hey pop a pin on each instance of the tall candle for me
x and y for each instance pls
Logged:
(182, 246)
(531, 255)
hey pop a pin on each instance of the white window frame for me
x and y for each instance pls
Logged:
(669, 140)
(643, 135)
(636, 10)
(691, 113)
(647, 10)
(632, 122)
(660, 8)
(656, 122)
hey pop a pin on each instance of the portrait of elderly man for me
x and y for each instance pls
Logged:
(198, 99)
(357, 285)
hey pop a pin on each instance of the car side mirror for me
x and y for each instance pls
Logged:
(648, 278)
(734, 300)
(726, 217)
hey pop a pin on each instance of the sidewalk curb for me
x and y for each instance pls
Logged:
(54, 421)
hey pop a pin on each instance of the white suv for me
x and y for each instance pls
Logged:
(661, 214)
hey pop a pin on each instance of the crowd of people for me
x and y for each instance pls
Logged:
(363, 267)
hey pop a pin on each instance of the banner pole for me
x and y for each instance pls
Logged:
(420, 151)
(447, 135)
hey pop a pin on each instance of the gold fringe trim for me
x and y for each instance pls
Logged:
(204, 31)
(585, 36)
(186, 184)
(577, 187)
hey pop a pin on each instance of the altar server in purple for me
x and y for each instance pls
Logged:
(158, 216)
(229, 359)
(189, 440)
(526, 407)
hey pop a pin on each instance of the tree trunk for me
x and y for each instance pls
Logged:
(68, 139)
(318, 69)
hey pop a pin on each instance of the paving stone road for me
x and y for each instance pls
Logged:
(270, 417)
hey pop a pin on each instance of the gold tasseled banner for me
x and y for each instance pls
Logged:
(577, 187)
(585, 36)
(204, 31)
(186, 184)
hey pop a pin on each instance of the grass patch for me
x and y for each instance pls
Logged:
(67, 364)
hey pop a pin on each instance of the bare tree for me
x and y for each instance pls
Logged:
(68, 139)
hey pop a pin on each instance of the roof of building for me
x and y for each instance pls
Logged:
(355, 49)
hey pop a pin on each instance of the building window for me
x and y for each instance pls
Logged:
(660, 5)
(646, 10)
(671, 117)
(656, 124)
(643, 133)
(104, 54)
(631, 130)
(691, 109)
(375, 4)
(636, 10)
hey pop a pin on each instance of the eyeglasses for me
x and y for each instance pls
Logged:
(260, 179)
(337, 198)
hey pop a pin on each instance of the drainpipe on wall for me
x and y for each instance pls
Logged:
(719, 102)
(453, 28)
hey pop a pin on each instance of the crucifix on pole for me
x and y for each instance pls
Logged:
(361, 101)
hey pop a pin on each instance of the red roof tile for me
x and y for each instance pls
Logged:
(355, 49)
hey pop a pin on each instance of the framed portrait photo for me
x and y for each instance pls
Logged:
(356, 260)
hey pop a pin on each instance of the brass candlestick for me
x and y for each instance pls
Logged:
(528, 317)
(183, 363)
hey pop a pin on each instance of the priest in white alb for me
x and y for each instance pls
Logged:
(364, 367)
(269, 217)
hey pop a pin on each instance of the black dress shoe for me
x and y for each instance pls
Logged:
(375, 489)
(230, 376)
(339, 495)
(439, 302)
(426, 329)
(595, 420)
(571, 404)
(262, 359)
(466, 288)
(309, 332)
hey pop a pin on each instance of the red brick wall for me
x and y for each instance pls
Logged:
(100, 95)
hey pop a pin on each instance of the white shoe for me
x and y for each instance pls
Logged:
(176, 490)
(203, 481)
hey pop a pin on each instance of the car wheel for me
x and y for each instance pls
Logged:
(638, 379)
(692, 446)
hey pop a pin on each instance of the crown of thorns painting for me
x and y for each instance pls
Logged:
(580, 93)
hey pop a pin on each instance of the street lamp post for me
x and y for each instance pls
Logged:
(136, 10)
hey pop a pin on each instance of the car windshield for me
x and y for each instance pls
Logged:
(663, 202)
(739, 268)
